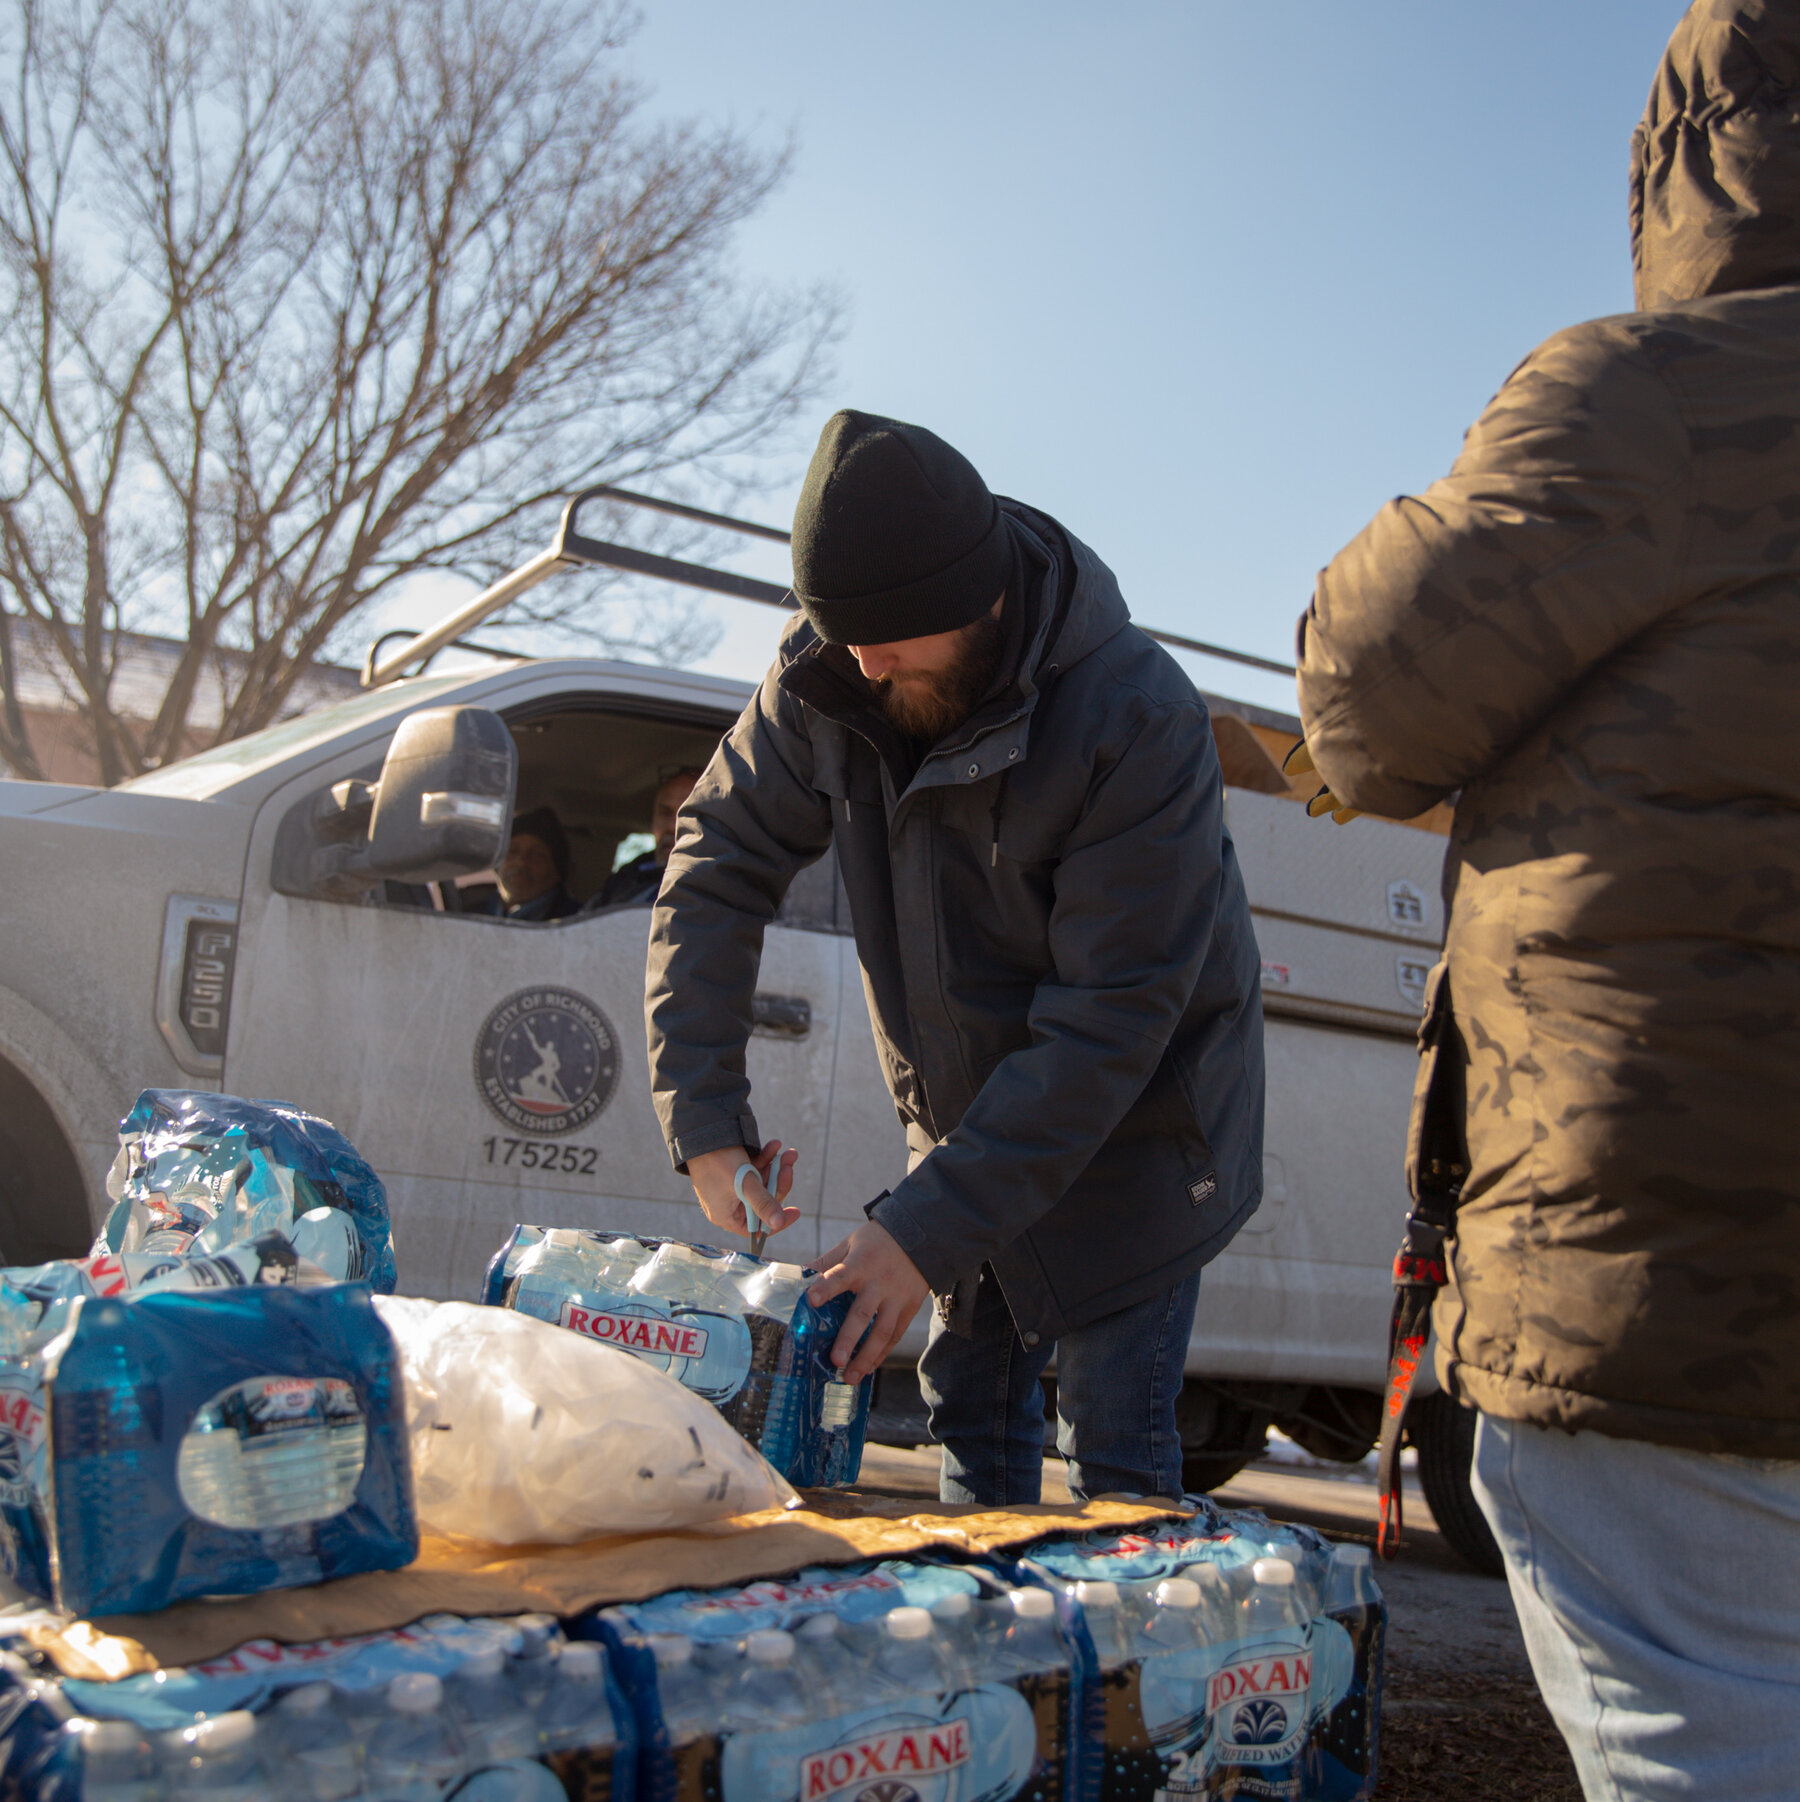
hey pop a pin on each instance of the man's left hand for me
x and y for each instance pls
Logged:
(889, 1291)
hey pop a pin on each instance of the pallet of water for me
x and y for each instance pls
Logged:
(734, 1329)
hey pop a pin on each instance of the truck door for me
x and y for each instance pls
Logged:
(494, 1071)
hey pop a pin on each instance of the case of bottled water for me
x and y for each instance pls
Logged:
(484, 1710)
(735, 1329)
(172, 1444)
(906, 1681)
(1224, 1656)
(197, 1172)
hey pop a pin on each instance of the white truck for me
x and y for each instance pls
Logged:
(245, 919)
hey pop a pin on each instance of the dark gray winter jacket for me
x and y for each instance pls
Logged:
(1054, 940)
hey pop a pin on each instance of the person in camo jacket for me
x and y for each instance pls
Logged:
(1591, 629)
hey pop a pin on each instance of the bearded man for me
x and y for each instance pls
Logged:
(1056, 951)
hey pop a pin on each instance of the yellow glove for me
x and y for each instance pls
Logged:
(1299, 763)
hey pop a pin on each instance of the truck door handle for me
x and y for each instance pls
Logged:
(781, 1016)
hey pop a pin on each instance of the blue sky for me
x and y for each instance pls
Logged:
(1208, 282)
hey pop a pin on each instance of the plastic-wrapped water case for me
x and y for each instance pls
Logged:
(1225, 1656)
(735, 1330)
(515, 1710)
(197, 1172)
(180, 1444)
(929, 1681)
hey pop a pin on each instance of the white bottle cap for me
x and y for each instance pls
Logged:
(909, 1623)
(106, 1736)
(541, 1624)
(415, 1692)
(1276, 1572)
(1033, 1604)
(222, 1732)
(819, 1626)
(1097, 1594)
(488, 1662)
(580, 1662)
(1176, 1592)
(770, 1646)
(951, 1607)
(671, 1650)
(1352, 1557)
(564, 1238)
(310, 1698)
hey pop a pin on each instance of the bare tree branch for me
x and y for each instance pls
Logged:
(305, 297)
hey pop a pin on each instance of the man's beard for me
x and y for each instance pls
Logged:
(925, 706)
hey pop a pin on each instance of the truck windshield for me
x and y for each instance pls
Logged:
(207, 772)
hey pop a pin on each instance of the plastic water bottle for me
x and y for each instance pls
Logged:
(1258, 1698)
(769, 1692)
(685, 1274)
(696, 1291)
(575, 1715)
(912, 1659)
(492, 1717)
(532, 1661)
(684, 1697)
(415, 1752)
(220, 1760)
(954, 1617)
(1175, 1623)
(830, 1665)
(319, 1752)
(118, 1763)
(621, 1258)
(1108, 1625)
(560, 1265)
(1032, 1642)
(1218, 1606)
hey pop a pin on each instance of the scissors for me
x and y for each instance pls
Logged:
(759, 1233)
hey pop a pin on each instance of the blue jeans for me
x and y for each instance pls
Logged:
(1659, 1593)
(1116, 1384)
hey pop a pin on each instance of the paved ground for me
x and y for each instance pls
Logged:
(1461, 1719)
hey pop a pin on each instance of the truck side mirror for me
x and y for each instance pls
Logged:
(440, 809)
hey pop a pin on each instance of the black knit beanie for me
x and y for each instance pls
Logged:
(895, 536)
(542, 824)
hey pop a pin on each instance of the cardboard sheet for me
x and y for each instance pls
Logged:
(463, 1577)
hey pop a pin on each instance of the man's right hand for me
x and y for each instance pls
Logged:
(712, 1174)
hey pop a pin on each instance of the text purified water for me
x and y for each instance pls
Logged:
(736, 1330)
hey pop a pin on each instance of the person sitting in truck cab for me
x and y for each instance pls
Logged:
(535, 870)
(636, 883)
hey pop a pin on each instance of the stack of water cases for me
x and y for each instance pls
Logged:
(896, 1682)
(172, 1444)
(502, 1710)
(1224, 1657)
(736, 1330)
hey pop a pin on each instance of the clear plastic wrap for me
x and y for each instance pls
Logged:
(523, 1433)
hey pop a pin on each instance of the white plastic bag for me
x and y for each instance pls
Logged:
(523, 1433)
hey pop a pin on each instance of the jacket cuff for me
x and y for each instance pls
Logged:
(892, 1214)
(731, 1132)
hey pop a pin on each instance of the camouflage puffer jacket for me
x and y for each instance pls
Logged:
(1591, 628)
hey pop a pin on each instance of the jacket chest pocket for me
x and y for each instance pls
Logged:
(839, 772)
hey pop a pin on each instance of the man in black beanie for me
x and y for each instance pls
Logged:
(1056, 949)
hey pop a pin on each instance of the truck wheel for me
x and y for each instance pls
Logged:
(1443, 1431)
(1219, 1436)
(43, 1201)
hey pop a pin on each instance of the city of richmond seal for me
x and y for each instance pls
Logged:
(546, 1060)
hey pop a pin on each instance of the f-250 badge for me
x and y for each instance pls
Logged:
(546, 1060)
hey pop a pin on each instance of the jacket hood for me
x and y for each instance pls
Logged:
(1715, 162)
(1080, 606)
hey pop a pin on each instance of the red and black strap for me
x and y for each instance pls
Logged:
(1419, 1273)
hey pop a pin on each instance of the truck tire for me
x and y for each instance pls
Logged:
(1220, 1434)
(43, 1200)
(1443, 1432)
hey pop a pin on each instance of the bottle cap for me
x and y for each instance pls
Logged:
(536, 1626)
(909, 1623)
(819, 1626)
(580, 1662)
(670, 1650)
(415, 1692)
(103, 1737)
(1095, 1594)
(1033, 1604)
(1276, 1572)
(954, 1607)
(1352, 1557)
(769, 1645)
(222, 1732)
(488, 1662)
(564, 1238)
(1176, 1592)
(309, 1698)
